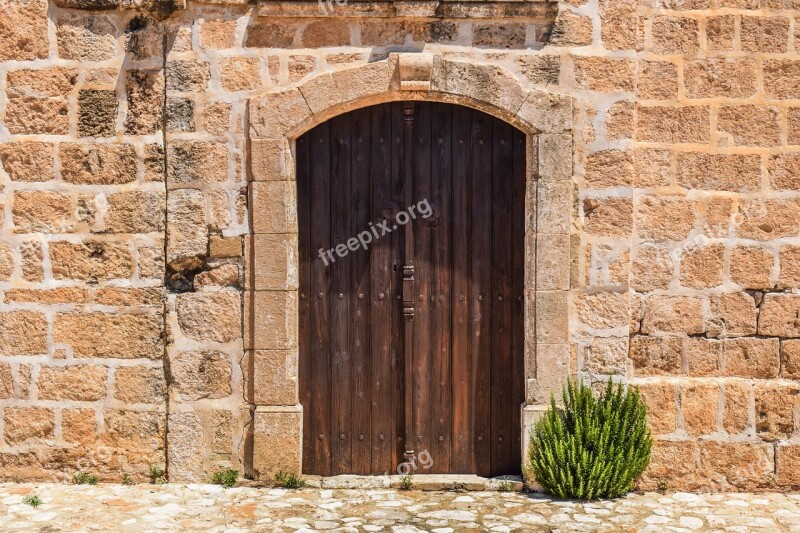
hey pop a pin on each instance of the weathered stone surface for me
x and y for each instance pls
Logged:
(6, 382)
(670, 124)
(135, 212)
(704, 356)
(736, 464)
(779, 314)
(79, 426)
(23, 26)
(97, 164)
(661, 400)
(23, 333)
(187, 76)
(604, 74)
(602, 310)
(277, 441)
(656, 355)
(732, 314)
(23, 424)
(210, 316)
(701, 266)
(97, 113)
(609, 168)
(27, 161)
(32, 256)
(86, 37)
(699, 404)
(775, 407)
(652, 268)
(197, 162)
(138, 432)
(787, 464)
(180, 115)
(540, 69)
(751, 357)
(6, 261)
(736, 413)
(145, 90)
(571, 29)
(612, 217)
(790, 359)
(720, 77)
(225, 246)
(218, 34)
(664, 218)
(140, 384)
(720, 172)
(780, 78)
(240, 74)
(221, 276)
(186, 229)
(185, 447)
(502, 35)
(673, 314)
(658, 80)
(38, 101)
(200, 374)
(110, 335)
(274, 320)
(275, 377)
(42, 212)
(752, 267)
(675, 35)
(129, 297)
(80, 382)
(750, 126)
(91, 261)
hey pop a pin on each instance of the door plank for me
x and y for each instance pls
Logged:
(341, 309)
(422, 262)
(320, 274)
(361, 392)
(462, 401)
(503, 411)
(441, 308)
(381, 291)
(481, 289)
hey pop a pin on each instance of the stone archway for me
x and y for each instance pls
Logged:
(276, 119)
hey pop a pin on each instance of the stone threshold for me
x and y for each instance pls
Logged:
(454, 482)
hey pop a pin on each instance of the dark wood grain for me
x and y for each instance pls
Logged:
(467, 341)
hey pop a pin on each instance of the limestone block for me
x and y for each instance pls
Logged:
(210, 316)
(277, 441)
(275, 377)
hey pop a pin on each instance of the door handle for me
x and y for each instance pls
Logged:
(408, 291)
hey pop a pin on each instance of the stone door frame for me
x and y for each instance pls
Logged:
(276, 119)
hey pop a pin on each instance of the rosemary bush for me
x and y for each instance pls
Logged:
(593, 447)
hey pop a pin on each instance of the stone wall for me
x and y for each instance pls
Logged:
(124, 176)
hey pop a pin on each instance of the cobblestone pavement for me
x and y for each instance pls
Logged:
(214, 509)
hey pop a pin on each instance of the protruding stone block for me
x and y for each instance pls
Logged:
(277, 441)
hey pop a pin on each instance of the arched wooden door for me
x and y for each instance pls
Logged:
(420, 330)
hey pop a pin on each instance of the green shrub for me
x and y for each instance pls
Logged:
(157, 475)
(406, 481)
(289, 480)
(226, 478)
(593, 448)
(33, 500)
(84, 478)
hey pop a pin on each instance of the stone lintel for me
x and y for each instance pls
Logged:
(533, 10)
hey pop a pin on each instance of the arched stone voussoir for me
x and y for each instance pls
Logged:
(275, 114)
(288, 113)
(547, 112)
(483, 83)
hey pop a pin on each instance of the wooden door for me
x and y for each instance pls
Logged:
(382, 355)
